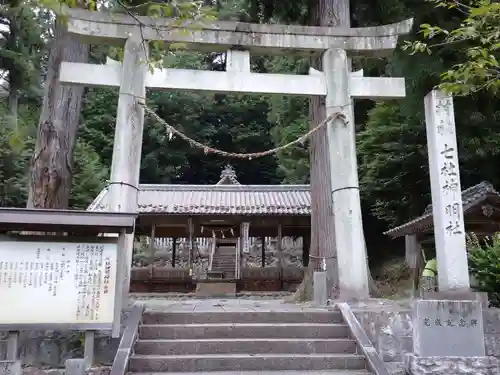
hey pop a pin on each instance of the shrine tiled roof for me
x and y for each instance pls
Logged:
(470, 198)
(218, 199)
(227, 197)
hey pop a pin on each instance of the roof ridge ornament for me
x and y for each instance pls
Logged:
(228, 176)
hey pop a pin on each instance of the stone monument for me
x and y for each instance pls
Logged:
(448, 338)
(447, 211)
(448, 334)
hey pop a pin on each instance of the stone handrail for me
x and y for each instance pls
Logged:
(120, 363)
(375, 363)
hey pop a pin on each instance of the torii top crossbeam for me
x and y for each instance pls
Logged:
(93, 27)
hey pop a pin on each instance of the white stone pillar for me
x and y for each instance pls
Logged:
(447, 210)
(127, 146)
(352, 263)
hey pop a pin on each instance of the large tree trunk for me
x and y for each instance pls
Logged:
(51, 165)
(323, 243)
(324, 13)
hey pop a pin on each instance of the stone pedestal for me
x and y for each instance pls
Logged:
(458, 296)
(451, 365)
(320, 293)
(448, 338)
(443, 328)
(10, 368)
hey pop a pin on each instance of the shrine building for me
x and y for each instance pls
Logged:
(227, 214)
(481, 210)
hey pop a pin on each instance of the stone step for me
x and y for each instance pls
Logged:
(329, 372)
(318, 317)
(228, 330)
(245, 362)
(223, 271)
(245, 346)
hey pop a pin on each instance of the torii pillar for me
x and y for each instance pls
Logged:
(351, 249)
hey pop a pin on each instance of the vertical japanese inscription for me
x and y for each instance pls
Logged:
(70, 282)
(245, 232)
(43, 272)
(448, 167)
(88, 280)
(449, 229)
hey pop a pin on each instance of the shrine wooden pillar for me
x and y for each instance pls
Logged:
(413, 257)
(174, 250)
(280, 255)
(190, 244)
(244, 247)
(263, 251)
(306, 245)
(152, 250)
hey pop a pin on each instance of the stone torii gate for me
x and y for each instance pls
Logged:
(240, 40)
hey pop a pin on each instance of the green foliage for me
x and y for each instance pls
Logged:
(477, 39)
(237, 123)
(16, 149)
(89, 176)
(289, 116)
(484, 265)
(391, 157)
(14, 157)
(22, 45)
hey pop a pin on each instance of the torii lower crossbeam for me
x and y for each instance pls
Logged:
(94, 75)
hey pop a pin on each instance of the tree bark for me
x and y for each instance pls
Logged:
(52, 161)
(323, 243)
(324, 13)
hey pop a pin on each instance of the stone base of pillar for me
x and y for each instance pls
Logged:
(451, 365)
(320, 291)
(457, 295)
(11, 368)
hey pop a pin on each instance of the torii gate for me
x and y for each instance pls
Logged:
(240, 40)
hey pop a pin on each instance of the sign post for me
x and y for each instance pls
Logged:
(69, 280)
(447, 210)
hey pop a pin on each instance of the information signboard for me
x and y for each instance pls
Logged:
(58, 283)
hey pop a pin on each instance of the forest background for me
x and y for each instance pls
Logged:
(391, 141)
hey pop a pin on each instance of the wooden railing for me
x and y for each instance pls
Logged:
(166, 242)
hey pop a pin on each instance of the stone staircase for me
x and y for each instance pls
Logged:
(224, 262)
(245, 342)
